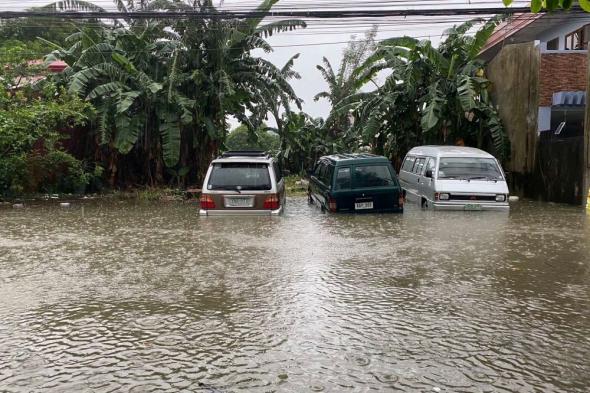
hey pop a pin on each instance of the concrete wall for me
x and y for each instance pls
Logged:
(562, 72)
(514, 74)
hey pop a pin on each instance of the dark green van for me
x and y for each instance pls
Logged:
(355, 183)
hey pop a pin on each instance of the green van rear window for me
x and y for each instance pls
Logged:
(372, 176)
(343, 179)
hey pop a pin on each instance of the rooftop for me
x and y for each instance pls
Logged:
(348, 157)
(449, 151)
(244, 156)
(527, 27)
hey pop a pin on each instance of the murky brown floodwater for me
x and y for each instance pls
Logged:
(149, 297)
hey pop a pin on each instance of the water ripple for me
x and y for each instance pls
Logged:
(150, 298)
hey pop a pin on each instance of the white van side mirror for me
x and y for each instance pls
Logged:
(428, 173)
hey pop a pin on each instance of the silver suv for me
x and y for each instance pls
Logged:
(243, 183)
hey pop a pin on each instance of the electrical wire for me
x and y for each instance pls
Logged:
(322, 14)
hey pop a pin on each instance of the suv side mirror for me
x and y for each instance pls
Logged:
(428, 173)
(286, 172)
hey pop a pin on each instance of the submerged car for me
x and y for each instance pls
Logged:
(243, 183)
(454, 178)
(355, 183)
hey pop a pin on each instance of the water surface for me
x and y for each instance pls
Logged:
(150, 297)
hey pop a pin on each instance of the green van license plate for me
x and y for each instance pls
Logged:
(472, 207)
(363, 205)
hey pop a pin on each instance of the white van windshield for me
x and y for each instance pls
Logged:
(469, 168)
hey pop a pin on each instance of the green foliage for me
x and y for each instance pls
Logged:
(31, 127)
(242, 139)
(163, 89)
(304, 140)
(347, 80)
(552, 5)
(295, 185)
(431, 95)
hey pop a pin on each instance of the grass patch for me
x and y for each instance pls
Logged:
(296, 185)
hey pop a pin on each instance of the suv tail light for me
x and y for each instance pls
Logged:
(207, 202)
(400, 201)
(332, 204)
(272, 202)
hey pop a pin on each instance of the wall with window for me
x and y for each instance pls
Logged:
(555, 37)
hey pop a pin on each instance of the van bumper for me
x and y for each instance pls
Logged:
(498, 206)
(237, 212)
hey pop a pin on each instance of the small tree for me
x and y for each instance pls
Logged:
(346, 81)
(241, 138)
(433, 95)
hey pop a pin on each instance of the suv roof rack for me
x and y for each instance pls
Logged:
(244, 153)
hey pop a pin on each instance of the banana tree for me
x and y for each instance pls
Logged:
(441, 92)
(346, 81)
(166, 88)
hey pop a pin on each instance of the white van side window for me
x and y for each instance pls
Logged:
(408, 163)
(430, 165)
(419, 166)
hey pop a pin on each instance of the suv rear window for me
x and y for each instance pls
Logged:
(372, 176)
(343, 178)
(242, 175)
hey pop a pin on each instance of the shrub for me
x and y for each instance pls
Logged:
(53, 172)
(31, 159)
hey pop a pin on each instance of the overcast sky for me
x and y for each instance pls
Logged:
(329, 37)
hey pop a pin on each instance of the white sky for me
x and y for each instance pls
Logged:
(329, 37)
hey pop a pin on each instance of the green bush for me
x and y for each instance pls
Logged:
(53, 172)
(31, 159)
(57, 171)
(13, 175)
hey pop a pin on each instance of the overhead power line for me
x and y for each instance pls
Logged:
(322, 14)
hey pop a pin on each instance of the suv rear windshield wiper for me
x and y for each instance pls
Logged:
(230, 188)
(241, 188)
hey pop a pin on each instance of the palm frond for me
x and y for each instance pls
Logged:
(107, 89)
(269, 29)
(71, 5)
(483, 35)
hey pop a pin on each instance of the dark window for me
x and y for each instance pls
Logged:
(278, 172)
(325, 173)
(553, 44)
(343, 179)
(576, 40)
(329, 173)
(316, 171)
(408, 163)
(239, 175)
(321, 168)
(372, 176)
(418, 166)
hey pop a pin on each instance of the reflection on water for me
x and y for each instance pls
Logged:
(152, 298)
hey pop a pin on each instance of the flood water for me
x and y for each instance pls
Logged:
(149, 297)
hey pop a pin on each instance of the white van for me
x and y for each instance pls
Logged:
(454, 178)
